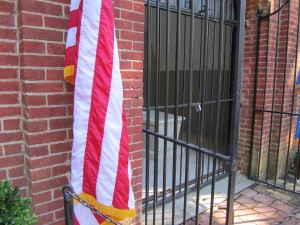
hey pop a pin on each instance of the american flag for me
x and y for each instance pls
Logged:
(100, 166)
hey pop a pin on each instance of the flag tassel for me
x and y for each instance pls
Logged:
(117, 214)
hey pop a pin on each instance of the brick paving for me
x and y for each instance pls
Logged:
(259, 205)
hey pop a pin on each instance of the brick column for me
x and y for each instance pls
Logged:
(11, 143)
(266, 147)
(247, 85)
(47, 104)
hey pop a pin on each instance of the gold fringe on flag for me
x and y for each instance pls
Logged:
(116, 214)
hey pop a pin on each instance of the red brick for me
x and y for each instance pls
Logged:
(40, 34)
(55, 48)
(59, 215)
(42, 61)
(9, 161)
(30, 19)
(9, 86)
(6, 33)
(9, 99)
(36, 125)
(34, 100)
(16, 172)
(21, 182)
(46, 137)
(11, 149)
(3, 175)
(60, 169)
(39, 174)
(45, 219)
(32, 74)
(61, 147)
(41, 197)
(48, 160)
(41, 7)
(138, 7)
(12, 124)
(128, 15)
(132, 35)
(55, 74)
(7, 7)
(11, 136)
(42, 87)
(7, 47)
(8, 60)
(52, 183)
(36, 151)
(61, 123)
(132, 55)
(58, 23)
(8, 73)
(32, 47)
(44, 112)
(60, 99)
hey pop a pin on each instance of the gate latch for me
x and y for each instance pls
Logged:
(197, 106)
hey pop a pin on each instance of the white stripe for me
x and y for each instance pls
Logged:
(74, 5)
(71, 37)
(83, 87)
(84, 215)
(131, 196)
(111, 138)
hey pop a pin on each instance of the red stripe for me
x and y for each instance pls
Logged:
(76, 222)
(70, 56)
(100, 97)
(121, 192)
(74, 18)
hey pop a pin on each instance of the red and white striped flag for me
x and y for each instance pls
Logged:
(100, 166)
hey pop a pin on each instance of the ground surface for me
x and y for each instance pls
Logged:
(258, 204)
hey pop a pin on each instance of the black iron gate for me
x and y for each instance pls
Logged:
(192, 84)
(276, 115)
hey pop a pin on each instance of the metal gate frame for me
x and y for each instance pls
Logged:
(230, 159)
(257, 175)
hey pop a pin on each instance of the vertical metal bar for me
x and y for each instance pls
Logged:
(230, 80)
(238, 65)
(283, 91)
(147, 181)
(211, 106)
(205, 56)
(259, 12)
(220, 72)
(189, 114)
(203, 86)
(198, 154)
(217, 119)
(157, 96)
(166, 111)
(178, 52)
(201, 160)
(183, 101)
(267, 59)
(274, 84)
(224, 134)
(68, 205)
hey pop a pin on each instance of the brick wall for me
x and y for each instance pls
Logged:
(247, 85)
(268, 147)
(36, 104)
